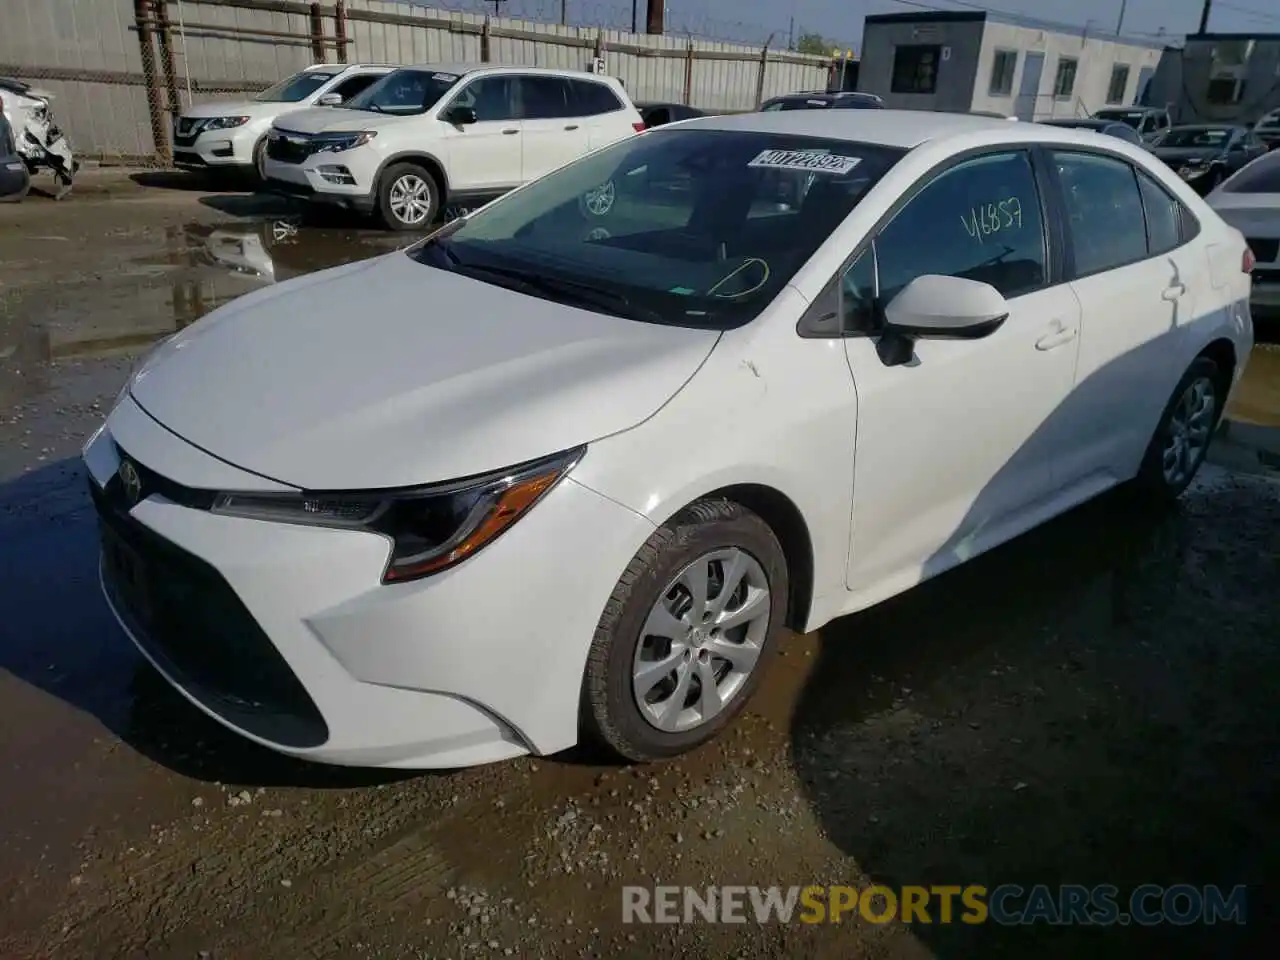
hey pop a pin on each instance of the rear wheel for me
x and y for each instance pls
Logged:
(408, 198)
(684, 639)
(260, 161)
(1186, 429)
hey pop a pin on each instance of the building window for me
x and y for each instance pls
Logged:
(1119, 83)
(915, 69)
(1065, 82)
(1225, 90)
(1005, 63)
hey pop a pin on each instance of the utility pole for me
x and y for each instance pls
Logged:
(564, 13)
(635, 16)
(656, 21)
(791, 34)
(1120, 19)
(1204, 16)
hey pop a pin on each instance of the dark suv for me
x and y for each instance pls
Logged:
(824, 101)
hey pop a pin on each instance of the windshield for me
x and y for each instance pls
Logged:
(697, 228)
(1133, 118)
(404, 92)
(1196, 137)
(295, 88)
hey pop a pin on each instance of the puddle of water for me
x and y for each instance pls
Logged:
(1257, 399)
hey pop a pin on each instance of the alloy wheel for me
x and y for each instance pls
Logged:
(410, 199)
(1189, 432)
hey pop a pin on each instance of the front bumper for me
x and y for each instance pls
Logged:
(285, 634)
(307, 181)
(214, 148)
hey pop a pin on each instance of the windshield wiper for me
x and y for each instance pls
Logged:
(571, 291)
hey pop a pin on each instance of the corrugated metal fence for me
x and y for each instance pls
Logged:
(120, 69)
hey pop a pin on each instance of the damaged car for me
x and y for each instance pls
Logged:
(37, 139)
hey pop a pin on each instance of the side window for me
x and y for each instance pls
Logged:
(490, 97)
(1164, 219)
(979, 220)
(349, 87)
(543, 98)
(770, 107)
(591, 99)
(1104, 211)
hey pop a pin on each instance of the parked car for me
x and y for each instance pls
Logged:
(1250, 202)
(37, 138)
(1108, 127)
(657, 114)
(578, 465)
(231, 135)
(1267, 129)
(1150, 122)
(821, 101)
(15, 181)
(1206, 154)
(437, 134)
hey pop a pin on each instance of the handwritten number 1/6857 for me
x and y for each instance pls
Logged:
(985, 219)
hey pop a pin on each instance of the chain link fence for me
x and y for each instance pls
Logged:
(121, 71)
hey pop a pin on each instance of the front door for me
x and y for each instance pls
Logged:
(953, 448)
(485, 156)
(1029, 88)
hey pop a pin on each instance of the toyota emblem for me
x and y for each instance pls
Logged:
(131, 482)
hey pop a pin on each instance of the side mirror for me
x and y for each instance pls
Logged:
(462, 116)
(331, 99)
(945, 308)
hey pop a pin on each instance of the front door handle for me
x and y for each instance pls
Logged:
(510, 132)
(572, 126)
(1174, 291)
(1058, 335)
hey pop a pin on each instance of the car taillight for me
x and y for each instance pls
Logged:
(639, 127)
(1248, 261)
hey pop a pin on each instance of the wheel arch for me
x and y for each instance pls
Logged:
(1222, 352)
(427, 161)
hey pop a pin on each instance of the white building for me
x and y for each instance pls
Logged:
(979, 60)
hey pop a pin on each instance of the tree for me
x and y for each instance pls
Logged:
(815, 43)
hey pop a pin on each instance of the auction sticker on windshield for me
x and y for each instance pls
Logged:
(805, 160)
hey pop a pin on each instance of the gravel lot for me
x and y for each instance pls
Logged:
(1095, 703)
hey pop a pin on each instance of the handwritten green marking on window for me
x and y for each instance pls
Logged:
(986, 219)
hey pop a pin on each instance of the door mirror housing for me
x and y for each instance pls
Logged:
(330, 99)
(945, 308)
(462, 116)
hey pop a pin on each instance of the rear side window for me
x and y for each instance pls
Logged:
(352, 85)
(1261, 176)
(1164, 216)
(544, 97)
(980, 220)
(1104, 209)
(591, 99)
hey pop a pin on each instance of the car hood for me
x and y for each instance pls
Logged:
(1183, 154)
(232, 108)
(332, 120)
(390, 373)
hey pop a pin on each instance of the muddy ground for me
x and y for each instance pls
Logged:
(1095, 703)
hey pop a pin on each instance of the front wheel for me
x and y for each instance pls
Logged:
(684, 639)
(407, 197)
(1186, 429)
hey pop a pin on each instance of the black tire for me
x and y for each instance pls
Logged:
(1151, 479)
(610, 713)
(394, 175)
(259, 174)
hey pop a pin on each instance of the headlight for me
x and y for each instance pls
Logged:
(337, 142)
(225, 123)
(430, 528)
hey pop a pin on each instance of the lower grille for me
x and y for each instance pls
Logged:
(290, 188)
(1265, 250)
(187, 617)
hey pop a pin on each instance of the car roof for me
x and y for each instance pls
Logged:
(463, 68)
(903, 129)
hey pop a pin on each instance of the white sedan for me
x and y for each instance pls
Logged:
(1249, 200)
(570, 466)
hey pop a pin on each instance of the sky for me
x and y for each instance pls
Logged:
(752, 21)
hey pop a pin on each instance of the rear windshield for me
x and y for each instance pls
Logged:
(1196, 137)
(404, 92)
(698, 228)
(1261, 176)
(296, 88)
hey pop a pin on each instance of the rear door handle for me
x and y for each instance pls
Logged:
(1058, 335)
(510, 132)
(1174, 291)
(572, 126)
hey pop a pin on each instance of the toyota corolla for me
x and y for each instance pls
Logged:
(571, 465)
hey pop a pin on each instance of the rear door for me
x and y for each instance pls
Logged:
(1136, 278)
(553, 132)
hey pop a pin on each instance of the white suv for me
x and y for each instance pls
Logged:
(432, 136)
(231, 134)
